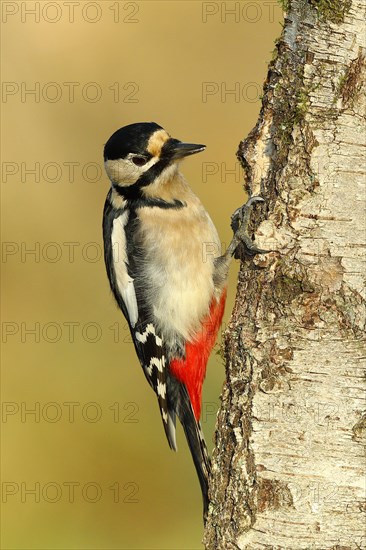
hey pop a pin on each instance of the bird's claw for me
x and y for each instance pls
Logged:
(239, 223)
(243, 212)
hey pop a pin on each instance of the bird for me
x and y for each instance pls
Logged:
(163, 259)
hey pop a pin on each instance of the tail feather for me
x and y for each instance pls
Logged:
(196, 443)
(171, 430)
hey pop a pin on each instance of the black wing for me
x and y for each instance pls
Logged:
(118, 225)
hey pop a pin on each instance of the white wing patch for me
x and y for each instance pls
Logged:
(120, 261)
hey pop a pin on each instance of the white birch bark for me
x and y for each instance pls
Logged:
(289, 458)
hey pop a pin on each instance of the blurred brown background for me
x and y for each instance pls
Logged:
(85, 463)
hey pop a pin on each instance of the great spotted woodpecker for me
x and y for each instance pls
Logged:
(170, 290)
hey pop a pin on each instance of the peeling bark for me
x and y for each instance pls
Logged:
(289, 464)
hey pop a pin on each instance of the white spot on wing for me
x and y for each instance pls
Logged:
(120, 261)
(161, 389)
(159, 363)
(159, 341)
(142, 336)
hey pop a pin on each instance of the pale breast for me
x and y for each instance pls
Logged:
(179, 248)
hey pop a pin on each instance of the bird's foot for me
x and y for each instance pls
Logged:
(239, 223)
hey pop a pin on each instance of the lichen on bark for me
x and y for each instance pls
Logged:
(331, 10)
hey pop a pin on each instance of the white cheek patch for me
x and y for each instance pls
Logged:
(121, 171)
(124, 172)
(120, 261)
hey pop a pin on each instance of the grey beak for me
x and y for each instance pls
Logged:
(181, 150)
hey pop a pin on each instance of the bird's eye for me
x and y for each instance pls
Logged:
(139, 161)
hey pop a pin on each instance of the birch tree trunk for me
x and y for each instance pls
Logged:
(289, 461)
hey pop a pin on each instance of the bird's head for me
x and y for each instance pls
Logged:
(142, 153)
